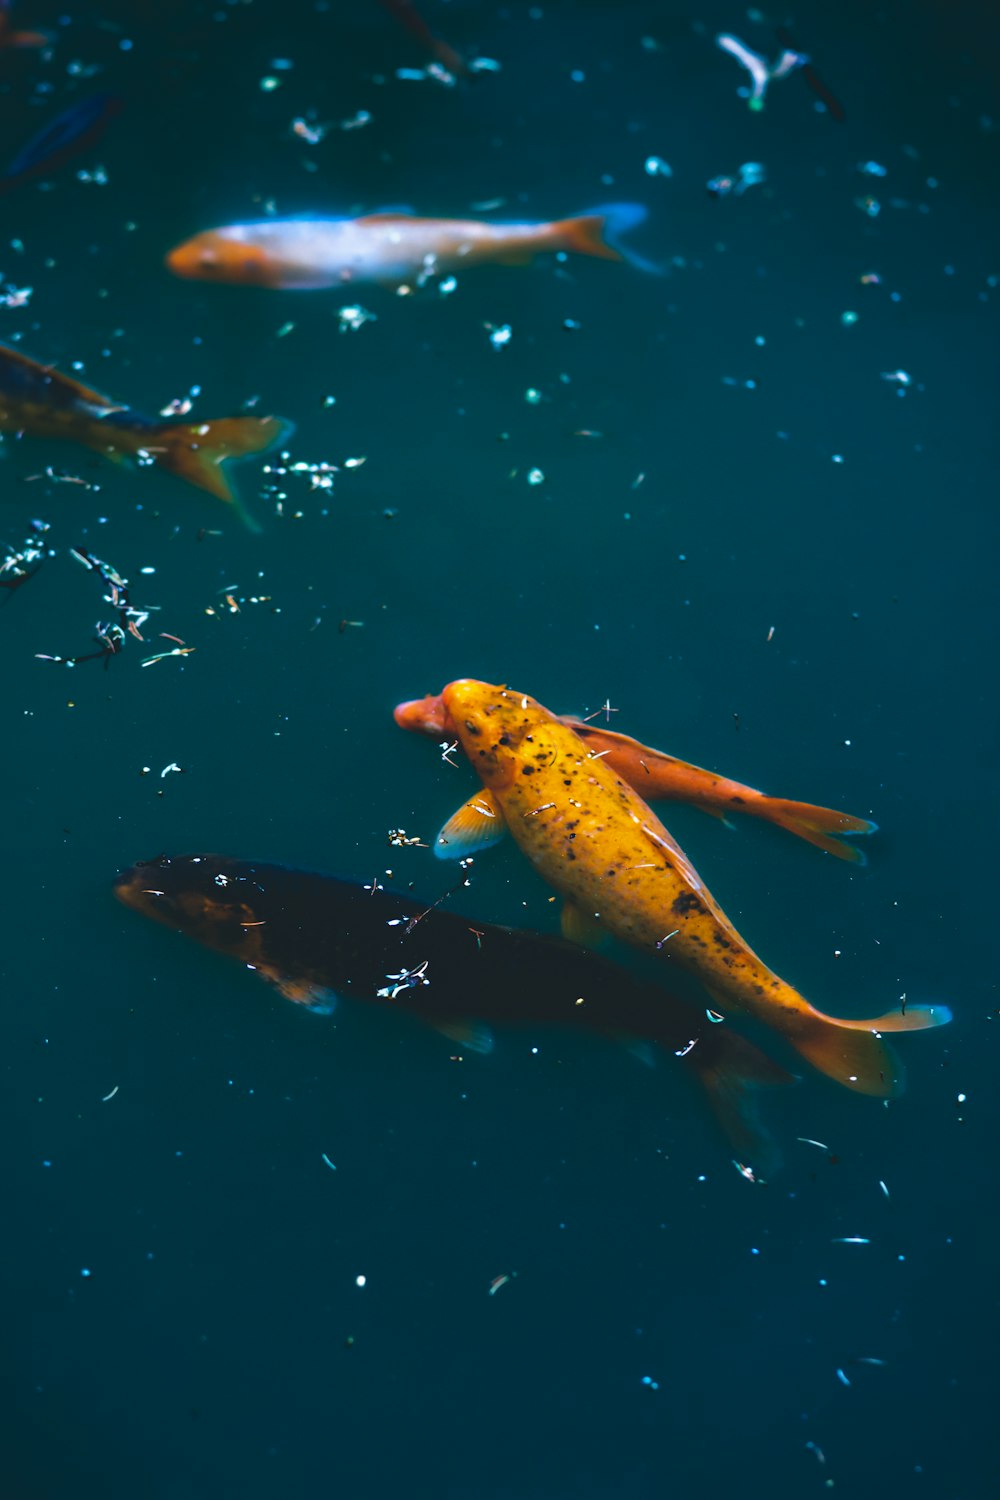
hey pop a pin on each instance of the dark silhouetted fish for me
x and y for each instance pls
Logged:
(318, 938)
(70, 133)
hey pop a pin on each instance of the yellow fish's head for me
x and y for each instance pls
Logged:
(217, 256)
(492, 724)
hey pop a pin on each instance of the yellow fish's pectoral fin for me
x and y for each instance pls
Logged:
(582, 927)
(478, 824)
(474, 1035)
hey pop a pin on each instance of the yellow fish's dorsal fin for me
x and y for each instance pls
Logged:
(582, 927)
(474, 1035)
(478, 824)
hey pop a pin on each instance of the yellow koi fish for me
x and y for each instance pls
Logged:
(592, 837)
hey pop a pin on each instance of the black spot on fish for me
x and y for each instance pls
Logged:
(686, 902)
(472, 728)
(527, 770)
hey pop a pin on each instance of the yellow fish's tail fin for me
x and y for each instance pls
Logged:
(821, 826)
(196, 451)
(598, 231)
(732, 1072)
(855, 1053)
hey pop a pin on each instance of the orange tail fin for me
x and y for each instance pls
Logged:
(854, 1053)
(196, 451)
(821, 826)
(597, 233)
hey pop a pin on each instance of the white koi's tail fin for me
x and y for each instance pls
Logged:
(598, 232)
(196, 451)
(732, 1072)
(855, 1053)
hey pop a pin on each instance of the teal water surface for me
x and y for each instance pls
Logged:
(769, 557)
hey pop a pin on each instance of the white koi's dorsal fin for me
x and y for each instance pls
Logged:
(478, 824)
(582, 927)
(386, 215)
(475, 1035)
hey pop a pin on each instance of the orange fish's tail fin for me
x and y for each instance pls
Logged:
(732, 1073)
(821, 826)
(855, 1053)
(196, 451)
(599, 230)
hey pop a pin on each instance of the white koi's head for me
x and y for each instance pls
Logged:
(220, 255)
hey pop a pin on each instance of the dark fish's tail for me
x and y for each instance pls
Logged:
(732, 1072)
(855, 1053)
(821, 826)
(196, 451)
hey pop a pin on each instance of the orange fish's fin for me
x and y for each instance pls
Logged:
(474, 1035)
(582, 927)
(855, 1053)
(478, 824)
(196, 451)
(732, 1077)
(821, 826)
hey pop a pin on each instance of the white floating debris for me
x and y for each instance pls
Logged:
(655, 166)
(361, 1281)
(354, 317)
(761, 71)
(330, 1164)
(500, 336)
(167, 770)
(536, 476)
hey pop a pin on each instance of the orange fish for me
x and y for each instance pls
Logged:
(591, 836)
(37, 400)
(10, 38)
(663, 778)
(390, 248)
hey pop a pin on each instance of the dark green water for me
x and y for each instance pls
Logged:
(206, 1352)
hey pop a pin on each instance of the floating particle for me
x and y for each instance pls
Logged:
(896, 377)
(447, 286)
(748, 175)
(532, 396)
(655, 166)
(536, 476)
(330, 1164)
(842, 1377)
(499, 337)
(850, 1239)
(497, 1283)
(872, 169)
(761, 71)
(354, 317)
(361, 1281)
(848, 319)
